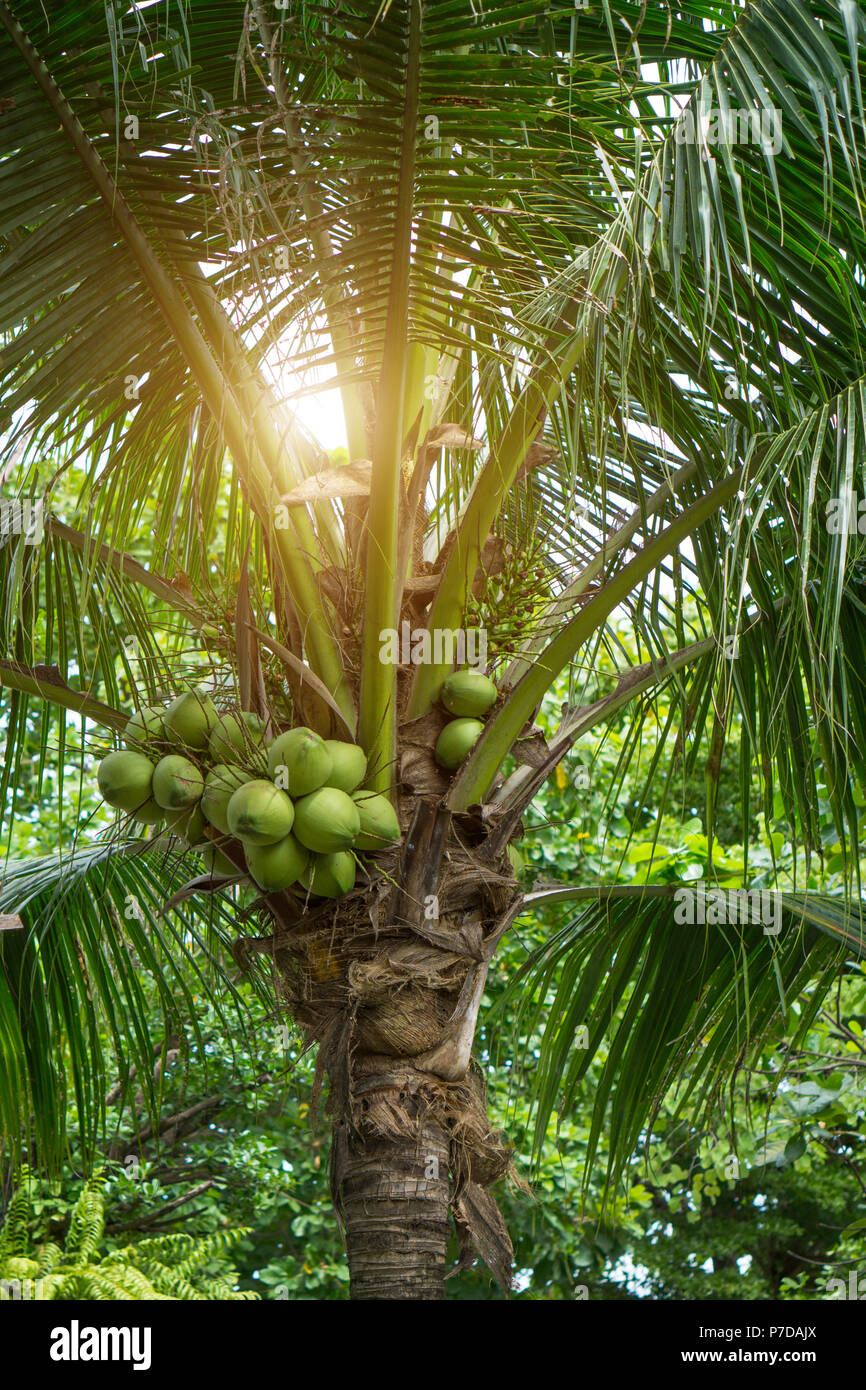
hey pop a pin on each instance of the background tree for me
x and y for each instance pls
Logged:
(589, 365)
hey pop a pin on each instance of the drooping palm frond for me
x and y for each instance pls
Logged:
(97, 980)
(667, 1006)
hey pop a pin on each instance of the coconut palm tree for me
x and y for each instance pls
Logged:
(587, 283)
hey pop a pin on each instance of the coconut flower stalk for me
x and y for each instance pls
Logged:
(584, 383)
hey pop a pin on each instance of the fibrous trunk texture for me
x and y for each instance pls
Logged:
(388, 981)
(394, 1198)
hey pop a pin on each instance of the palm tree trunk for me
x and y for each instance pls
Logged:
(391, 996)
(394, 1200)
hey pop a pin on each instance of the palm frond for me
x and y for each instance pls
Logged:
(96, 981)
(668, 1007)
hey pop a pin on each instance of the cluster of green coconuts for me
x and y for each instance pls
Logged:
(468, 695)
(294, 804)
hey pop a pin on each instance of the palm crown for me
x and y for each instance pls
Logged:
(590, 286)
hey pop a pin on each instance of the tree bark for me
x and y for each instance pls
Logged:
(394, 1198)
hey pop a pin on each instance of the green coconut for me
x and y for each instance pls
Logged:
(276, 867)
(330, 875)
(305, 758)
(379, 823)
(188, 823)
(327, 820)
(468, 694)
(125, 779)
(218, 864)
(144, 727)
(348, 765)
(235, 734)
(455, 741)
(190, 718)
(220, 786)
(148, 813)
(259, 813)
(177, 783)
